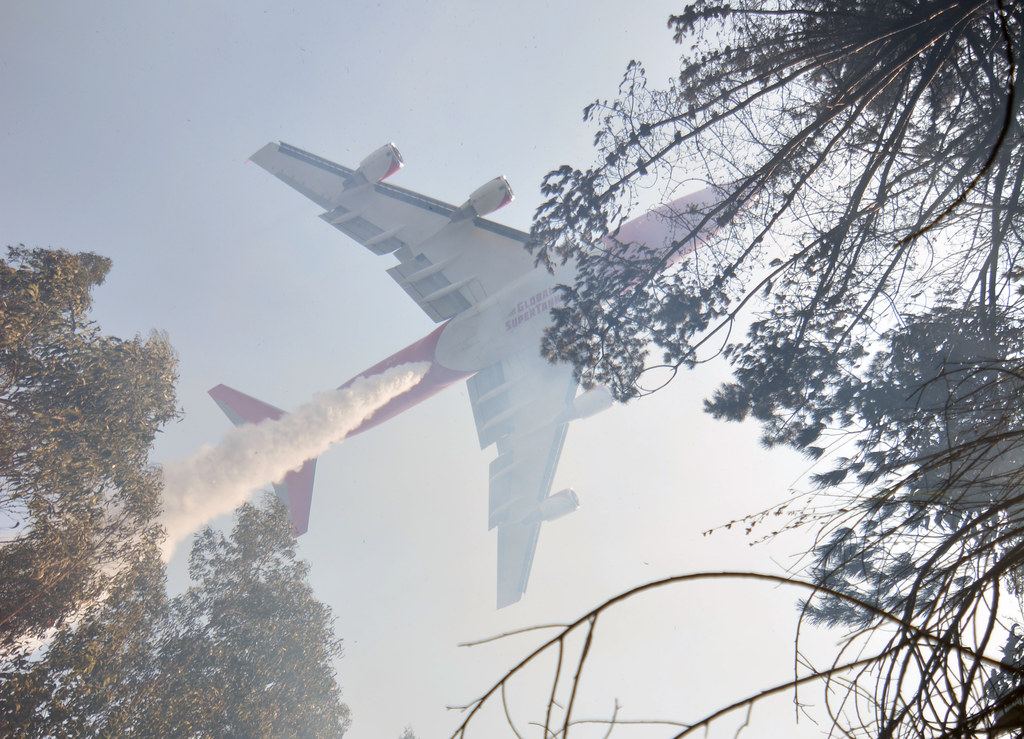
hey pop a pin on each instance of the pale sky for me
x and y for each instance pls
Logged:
(125, 131)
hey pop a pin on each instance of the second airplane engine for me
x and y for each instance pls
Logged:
(554, 506)
(380, 165)
(487, 198)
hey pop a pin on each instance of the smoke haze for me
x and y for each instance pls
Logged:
(217, 479)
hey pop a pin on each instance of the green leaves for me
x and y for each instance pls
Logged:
(246, 651)
(78, 413)
(249, 641)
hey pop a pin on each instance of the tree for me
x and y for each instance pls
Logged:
(78, 413)
(869, 156)
(92, 672)
(247, 651)
(250, 640)
(855, 139)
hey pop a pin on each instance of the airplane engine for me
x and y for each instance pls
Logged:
(555, 506)
(380, 165)
(487, 198)
(597, 399)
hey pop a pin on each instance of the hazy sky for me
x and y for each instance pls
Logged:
(125, 130)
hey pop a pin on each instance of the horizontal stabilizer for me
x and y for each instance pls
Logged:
(296, 490)
(242, 408)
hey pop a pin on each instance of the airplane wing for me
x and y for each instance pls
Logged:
(447, 261)
(523, 405)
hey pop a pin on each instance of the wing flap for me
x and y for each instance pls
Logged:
(521, 476)
(427, 284)
(522, 405)
(445, 263)
(356, 227)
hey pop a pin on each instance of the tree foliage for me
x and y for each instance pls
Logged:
(78, 414)
(870, 160)
(870, 152)
(246, 651)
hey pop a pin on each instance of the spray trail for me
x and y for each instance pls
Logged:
(217, 479)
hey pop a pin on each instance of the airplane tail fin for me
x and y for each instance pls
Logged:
(296, 491)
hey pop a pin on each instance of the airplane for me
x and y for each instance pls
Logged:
(475, 278)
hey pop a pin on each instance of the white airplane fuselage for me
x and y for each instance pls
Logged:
(492, 306)
(512, 319)
(505, 323)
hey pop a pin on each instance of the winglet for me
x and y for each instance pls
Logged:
(296, 491)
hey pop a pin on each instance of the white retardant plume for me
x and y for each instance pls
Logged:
(217, 479)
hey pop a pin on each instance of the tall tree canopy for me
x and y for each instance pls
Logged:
(78, 414)
(246, 651)
(871, 155)
(869, 159)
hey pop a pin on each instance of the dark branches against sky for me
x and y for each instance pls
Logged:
(844, 132)
(865, 290)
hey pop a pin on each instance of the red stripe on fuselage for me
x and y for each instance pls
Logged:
(434, 381)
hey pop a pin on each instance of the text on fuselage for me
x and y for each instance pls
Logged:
(536, 305)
